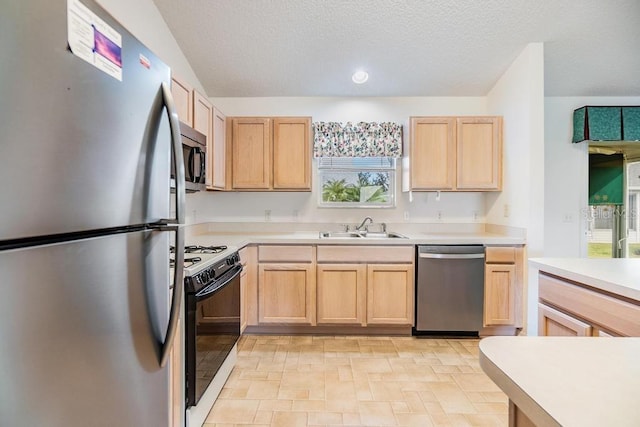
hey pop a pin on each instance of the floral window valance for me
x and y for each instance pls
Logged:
(333, 139)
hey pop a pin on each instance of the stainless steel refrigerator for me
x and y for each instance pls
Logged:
(87, 310)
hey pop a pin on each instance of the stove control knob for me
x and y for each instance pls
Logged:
(204, 276)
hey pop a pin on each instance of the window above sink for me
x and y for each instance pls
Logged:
(356, 182)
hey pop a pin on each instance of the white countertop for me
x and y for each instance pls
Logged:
(620, 276)
(568, 381)
(313, 238)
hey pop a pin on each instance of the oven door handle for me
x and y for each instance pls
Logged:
(227, 278)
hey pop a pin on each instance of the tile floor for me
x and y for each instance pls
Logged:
(358, 381)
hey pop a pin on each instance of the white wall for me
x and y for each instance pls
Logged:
(143, 19)
(567, 176)
(456, 207)
(519, 97)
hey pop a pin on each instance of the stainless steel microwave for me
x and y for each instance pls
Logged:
(194, 153)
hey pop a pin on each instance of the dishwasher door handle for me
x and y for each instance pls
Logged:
(451, 256)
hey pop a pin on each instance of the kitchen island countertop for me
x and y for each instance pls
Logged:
(567, 381)
(619, 276)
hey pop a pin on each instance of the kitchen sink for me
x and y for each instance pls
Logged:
(359, 235)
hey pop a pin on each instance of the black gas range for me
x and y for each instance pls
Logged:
(212, 321)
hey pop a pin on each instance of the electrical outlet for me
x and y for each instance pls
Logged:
(406, 215)
(267, 215)
(506, 210)
(567, 217)
(439, 216)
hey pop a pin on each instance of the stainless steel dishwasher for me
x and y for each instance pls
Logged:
(449, 290)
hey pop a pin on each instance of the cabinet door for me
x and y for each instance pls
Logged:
(249, 260)
(499, 295)
(433, 153)
(251, 153)
(479, 153)
(286, 293)
(390, 294)
(243, 301)
(217, 152)
(552, 322)
(341, 292)
(203, 123)
(177, 377)
(182, 93)
(292, 153)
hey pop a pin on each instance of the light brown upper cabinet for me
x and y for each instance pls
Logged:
(196, 110)
(203, 123)
(291, 153)
(217, 153)
(251, 153)
(456, 153)
(182, 93)
(270, 153)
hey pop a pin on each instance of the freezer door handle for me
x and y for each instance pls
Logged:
(176, 144)
(176, 295)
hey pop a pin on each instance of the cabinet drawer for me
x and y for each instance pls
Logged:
(618, 316)
(277, 253)
(500, 255)
(368, 254)
(554, 323)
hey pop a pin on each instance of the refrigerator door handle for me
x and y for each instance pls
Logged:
(176, 144)
(178, 272)
(176, 294)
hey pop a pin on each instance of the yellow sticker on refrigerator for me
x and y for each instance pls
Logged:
(91, 39)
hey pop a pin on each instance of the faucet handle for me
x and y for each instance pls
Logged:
(384, 227)
(345, 227)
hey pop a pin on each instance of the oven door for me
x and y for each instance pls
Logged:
(212, 328)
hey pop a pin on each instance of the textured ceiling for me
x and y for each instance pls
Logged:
(409, 47)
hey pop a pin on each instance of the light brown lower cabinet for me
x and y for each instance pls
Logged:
(577, 309)
(176, 364)
(243, 300)
(503, 286)
(390, 294)
(286, 293)
(365, 285)
(341, 293)
(554, 323)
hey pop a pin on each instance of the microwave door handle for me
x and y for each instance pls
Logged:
(202, 165)
(191, 163)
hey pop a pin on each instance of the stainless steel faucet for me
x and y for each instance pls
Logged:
(363, 223)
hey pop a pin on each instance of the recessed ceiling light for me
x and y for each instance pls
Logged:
(360, 77)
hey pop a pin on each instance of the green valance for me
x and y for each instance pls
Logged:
(606, 123)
